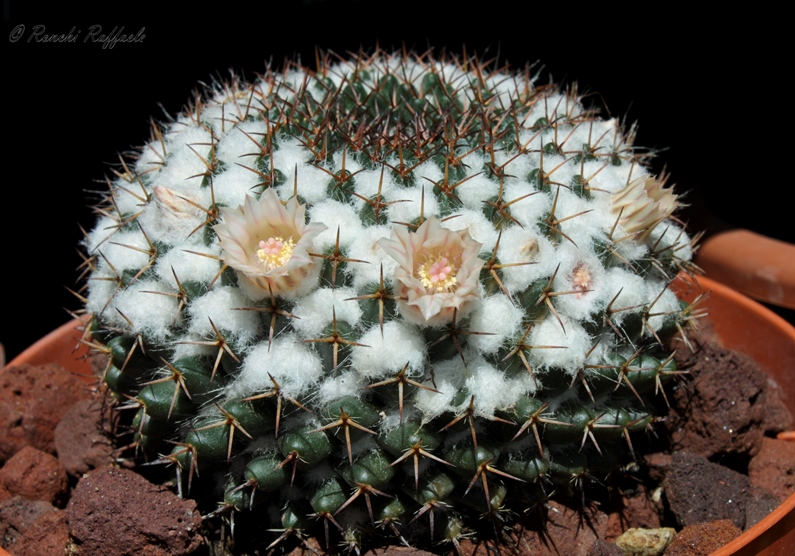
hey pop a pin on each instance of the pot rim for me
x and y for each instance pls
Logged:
(49, 348)
(756, 265)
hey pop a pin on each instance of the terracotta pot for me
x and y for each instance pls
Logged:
(746, 326)
(62, 346)
(758, 266)
(740, 323)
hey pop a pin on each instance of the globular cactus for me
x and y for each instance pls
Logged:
(394, 290)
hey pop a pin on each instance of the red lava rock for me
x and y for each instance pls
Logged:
(699, 491)
(398, 551)
(564, 531)
(657, 465)
(310, 548)
(116, 511)
(33, 398)
(35, 475)
(4, 494)
(604, 548)
(778, 417)
(702, 539)
(773, 468)
(633, 509)
(81, 441)
(760, 503)
(47, 535)
(17, 515)
(722, 410)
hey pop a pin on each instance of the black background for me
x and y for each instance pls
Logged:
(708, 89)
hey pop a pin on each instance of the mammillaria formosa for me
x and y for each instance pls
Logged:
(393, 291)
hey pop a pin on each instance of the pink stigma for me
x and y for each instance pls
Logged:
(440, 270)
(271, 247)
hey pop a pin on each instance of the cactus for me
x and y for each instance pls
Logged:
(394, 291)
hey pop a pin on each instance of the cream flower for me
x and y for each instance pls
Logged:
(177, 210)
(267, 242)
(643, 203)
(437, 271)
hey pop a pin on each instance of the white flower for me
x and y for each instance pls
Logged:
(267, 242)
(437, 271)
(643, 203)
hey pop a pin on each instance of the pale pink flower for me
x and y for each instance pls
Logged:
(643, 203)
(437, 273)
(267, 242)
(177, 211)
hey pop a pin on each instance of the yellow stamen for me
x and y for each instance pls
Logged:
(275, 252)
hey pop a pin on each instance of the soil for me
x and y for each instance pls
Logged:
(714, 470)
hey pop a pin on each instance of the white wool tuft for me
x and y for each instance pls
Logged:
(150, 306)
(401, 345)
(220, 305)
(583, 220)
(515, 167)
(128, 198)
(498, 319)
(601, 353)
(190, 346)
(291, 362)
(315, 313)
(102, 232)
(571, 345)
(313, 183)
(169, 227)
(524, 383)
(528, 205)
(630, 250)
(185, 165)
(406, 203)
(631, 291)
(489, 387)
(126, 250)
(232, 186)
(367, 183)
(333, 388)
(151, 158)
(336, 216)
(428, 173)
(189, 266)
(615, 178)
(668, 238)
(241, 144)
(365, 248)
(663, 307)
(475, 191)
(448, 379)
(528, 256)
(101, 288)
